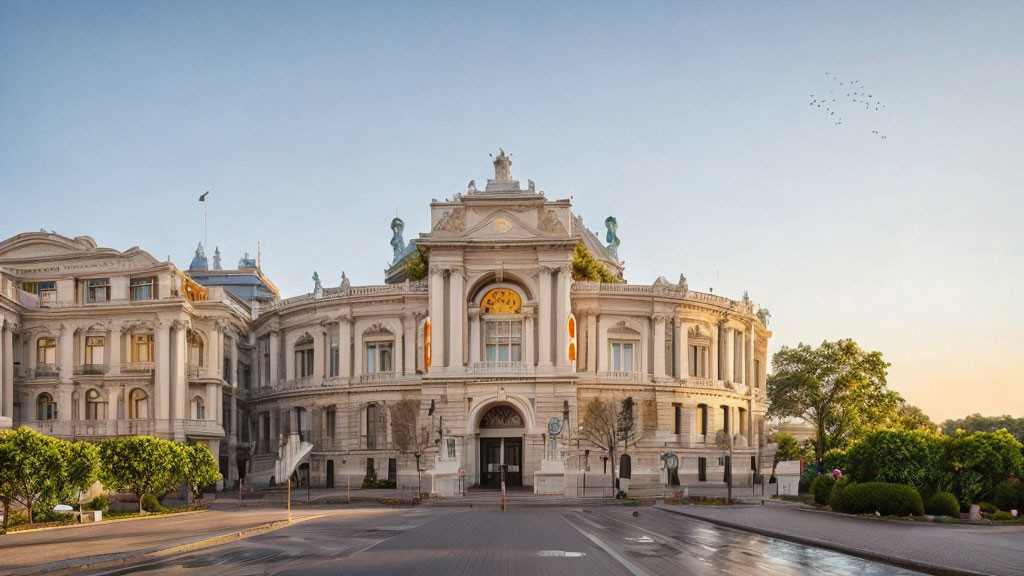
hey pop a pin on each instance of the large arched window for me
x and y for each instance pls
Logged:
(195, 349)
(500, 310)
(138, 404)
(95, 405)
(198, 408)
(46, 409)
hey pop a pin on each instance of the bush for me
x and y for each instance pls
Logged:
(1000, 516)
(886, 499)
(822, 488)
(942, 504)
(371, 482)
(988, 507)
(808, 476)
(836, 458)
(151, 504)
(101, 503)
(1009, 495)
(835, 497)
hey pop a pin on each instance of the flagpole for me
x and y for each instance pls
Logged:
(205, 245)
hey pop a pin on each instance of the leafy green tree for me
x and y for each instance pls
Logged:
(910, 417)
(586, 267)
(81, 468)
(912, 457)
(415, 267)
(140, 465)
(7, 476)
(979, 461)
(200, 469)
(838, 387)
(978, 423)
(33, 468)
(788, 449)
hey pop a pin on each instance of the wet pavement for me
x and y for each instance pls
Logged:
(558, 541)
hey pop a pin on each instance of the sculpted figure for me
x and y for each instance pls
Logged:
(502, 166)
(612, 238)
(472, 186)
(683, 285)
(318, 289)
(531, 186)
(764, 315)
(397, 242)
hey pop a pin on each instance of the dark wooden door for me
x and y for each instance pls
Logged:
(514, 462)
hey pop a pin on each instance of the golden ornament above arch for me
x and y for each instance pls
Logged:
(501, 301)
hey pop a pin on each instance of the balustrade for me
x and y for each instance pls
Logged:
(500, 368)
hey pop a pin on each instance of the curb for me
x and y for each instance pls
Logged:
(858, 552)
(105, 522)
(151, 554)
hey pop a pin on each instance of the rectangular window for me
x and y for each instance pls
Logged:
(47, 292)
(677, 426)
(97, 290)
(303, 363)
(702, 419)
(94, 349)
(46, 351)
(379, 357)
(143, 288)
(371, 358)
(370, 471)
(334, 357)
(504, 340)
(725, 419)
(371, 426)
(142, 348)
(332, 419)
(622, 356)
(702, 469)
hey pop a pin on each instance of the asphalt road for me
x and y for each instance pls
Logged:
(556, 541)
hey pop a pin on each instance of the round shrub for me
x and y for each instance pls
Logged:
(886, 499)
(835, 498)
(1009, 495)
(101, 503)
(942, 504)
(821, 487)
(988, 507)
(1001, 516)
(151, 504)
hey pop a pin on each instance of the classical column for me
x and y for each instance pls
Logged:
(66, 353)
(162, 371)
(288, 341)
(602, 347)
(474, 336)
(396, 360)
(318, 355)
(411, 321)
(219, 337)
(6, 369)
(436, 294)
(714, 353)
(659, 345)
(730, 355)
(275, 375)
(591, 341)
(179, 380)
(114, 337)
(544, 317)
(345, 346)
(683, 350)
(213, 411)
(233, 347)
(562, 287)
(528, 337)
(457, 309)
(751, 379)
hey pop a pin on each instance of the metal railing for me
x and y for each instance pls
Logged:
(91, 369)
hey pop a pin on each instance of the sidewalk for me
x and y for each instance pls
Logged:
(932, 548)
(34, 552)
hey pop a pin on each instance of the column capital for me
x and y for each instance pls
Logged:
(662, 317)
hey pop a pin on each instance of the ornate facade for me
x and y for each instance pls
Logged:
(487, 363)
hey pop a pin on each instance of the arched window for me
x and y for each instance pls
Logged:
(95, 405)
(372, 414)
(304, 356)
(379, 349)
(138, 404)
(198, 408)
(500, 310)
(46, 409)
(195, 349)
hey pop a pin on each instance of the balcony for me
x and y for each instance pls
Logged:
(494, 368)
(202, 428)
(622, 376)
(46, 371)
(193, 372)
(137, 367)
(376, 377)
(91, 369)
(91, 429)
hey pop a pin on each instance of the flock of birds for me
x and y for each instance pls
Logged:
(846, 96)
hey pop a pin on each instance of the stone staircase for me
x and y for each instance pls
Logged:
(291, 452)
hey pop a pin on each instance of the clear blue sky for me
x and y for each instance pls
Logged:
(312, 124)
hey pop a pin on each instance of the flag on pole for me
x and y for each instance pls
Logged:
(203, 197)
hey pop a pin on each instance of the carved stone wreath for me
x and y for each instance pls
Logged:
(501, 417)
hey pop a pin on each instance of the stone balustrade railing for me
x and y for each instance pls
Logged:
(587, 287)
(354, 291)
(91, 369)
(98, 429)
(136, 367)
(500, 368)
(623, 376)
(376, 377)
(193, 371)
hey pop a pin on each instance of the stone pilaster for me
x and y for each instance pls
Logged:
(544, 304)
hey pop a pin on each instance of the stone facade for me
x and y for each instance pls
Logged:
(435, 383)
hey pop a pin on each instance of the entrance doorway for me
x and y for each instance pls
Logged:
(330, 473)
(497, 451)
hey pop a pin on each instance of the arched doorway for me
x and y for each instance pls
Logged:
(501, 444)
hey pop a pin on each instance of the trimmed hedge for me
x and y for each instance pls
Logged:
(835, 497)
(1009, 495)
(942, 504)
(886, 499)
(821, 487)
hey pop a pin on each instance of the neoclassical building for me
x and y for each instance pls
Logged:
(480, 352)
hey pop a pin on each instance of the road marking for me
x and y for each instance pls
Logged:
(560, 554)
(642, 540)
(633, 568)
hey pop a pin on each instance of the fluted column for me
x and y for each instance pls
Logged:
(113, 351)
(659, 345)
(345, 346)
(318, 355)
(457, 310)
(233, 348)
(162, 371)
(528, 337)
(437, 321)
(66, 353)
(602, 347)
(730, 351)
(714, 353)
(751, 378)
(474, 336)
(275, 354)
(683, 350)
(396, 359)
(213, 411)
(544, 318)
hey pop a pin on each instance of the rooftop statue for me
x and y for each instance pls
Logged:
(345, 284)
(397, 242)
(200, 253)
(764, 315)
(683, 284)
(611, 237)
(472, 186)
(199, 262)
(531, 186)
(318, 289)
(216, 259)
(502, 166)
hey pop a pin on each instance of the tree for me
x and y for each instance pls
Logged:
(608, 423)
(910, 417)
(838, 387)
(978, 423)
(403, 423)
(81, 468)
(33, 468)
(899, 457)
(140, 465)
(200, 468)
(586, 267)
(415, 267)
(979, 461)
(7, 475)
(788, 449)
